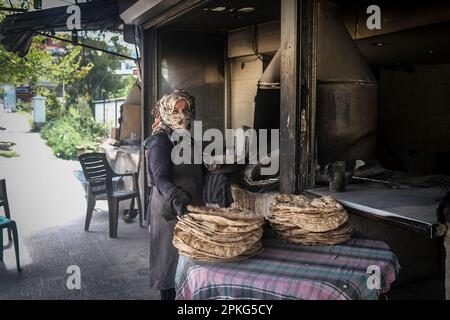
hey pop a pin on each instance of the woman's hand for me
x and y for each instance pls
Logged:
(180, 200)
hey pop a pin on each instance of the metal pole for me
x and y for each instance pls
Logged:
(85, 45)
(104, 111)
(63, 94)
(115, 113)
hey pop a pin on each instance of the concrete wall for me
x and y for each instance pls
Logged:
(245, 73)
(195, 62)
(414, 119)
(246, 67)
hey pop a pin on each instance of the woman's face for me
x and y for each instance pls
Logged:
(180, 106)
(175, 111)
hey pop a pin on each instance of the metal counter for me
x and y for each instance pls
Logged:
(410, 208)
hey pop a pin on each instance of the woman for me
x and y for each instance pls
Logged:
(174, 186)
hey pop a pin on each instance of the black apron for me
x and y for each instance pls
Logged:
(163, 255)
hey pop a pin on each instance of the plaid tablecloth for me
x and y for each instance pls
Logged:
(290, 271)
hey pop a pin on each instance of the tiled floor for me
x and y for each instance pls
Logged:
(110, 268)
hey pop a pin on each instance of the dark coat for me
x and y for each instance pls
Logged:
(166, 177)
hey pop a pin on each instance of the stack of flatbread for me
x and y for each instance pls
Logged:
(300, 219)
(218, 234)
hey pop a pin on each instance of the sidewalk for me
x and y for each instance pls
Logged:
(42, 189)
(48, 204)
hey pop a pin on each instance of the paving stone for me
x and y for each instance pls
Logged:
(110, 268)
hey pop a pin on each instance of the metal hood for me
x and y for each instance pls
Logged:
(338, 57)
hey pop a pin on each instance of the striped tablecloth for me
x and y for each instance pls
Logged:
(290, 271)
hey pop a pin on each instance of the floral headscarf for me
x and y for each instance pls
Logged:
(164, 110)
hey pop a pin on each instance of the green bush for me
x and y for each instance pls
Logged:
(23, 106)
(65, 135)
(53, 108)
(8, 154)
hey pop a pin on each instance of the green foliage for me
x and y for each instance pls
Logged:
(66, 134)
(23, 106)
(86, 75)
(39, 64)
(127, 83)
(101, 82)
(5, 149)
(18, 70)
(8, 154)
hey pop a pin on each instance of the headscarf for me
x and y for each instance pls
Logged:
(164, 111)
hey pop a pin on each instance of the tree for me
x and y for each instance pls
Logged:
(101, 82)
(39, 64)
(85, 73)
(17, 70)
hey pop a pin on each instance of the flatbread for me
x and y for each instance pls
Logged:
(212, 226)
(300, 203)
(300, 219)
(255, 250)
(228, 213)
(312, 222)
(223, 221)
(218, 234)
(205, 247)
(251, 237)
(316, 238)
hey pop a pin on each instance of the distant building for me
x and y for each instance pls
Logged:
(24, 93)
(53, 47)
(127, 67)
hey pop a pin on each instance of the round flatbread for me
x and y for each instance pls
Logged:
(255, 250)
(322, 224)
(300, 203)
(223, 221)
(218, 234)
(228, 213)
(225, 228)
(204, 246)
(339, 235)
(241, 238)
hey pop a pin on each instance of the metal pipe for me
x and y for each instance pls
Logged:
(271, 76)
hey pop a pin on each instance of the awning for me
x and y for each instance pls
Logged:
(143, 10)
(17, 30)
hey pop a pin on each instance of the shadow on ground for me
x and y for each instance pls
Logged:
(110, 268)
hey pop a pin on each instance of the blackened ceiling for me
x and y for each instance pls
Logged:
(219, 16)
(423, 45)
